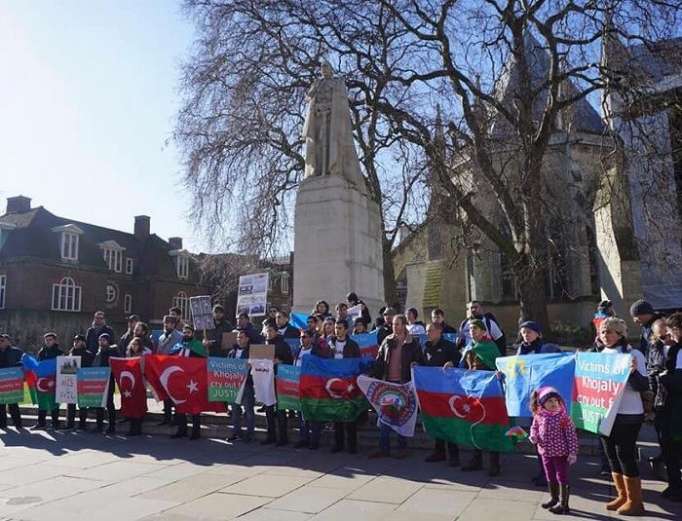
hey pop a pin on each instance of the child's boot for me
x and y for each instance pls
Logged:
(554, 496)
(562, 507)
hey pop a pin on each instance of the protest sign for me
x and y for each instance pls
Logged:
(355, 312)
(263, 374)
(262, 352)
(229, 339)
(252, 296)
(226, 379)
(93, 384)
(67, 379)
(202, 312)
(598, 387)
(287, 384)
(523, 374)
(395, 404)
(11, 385)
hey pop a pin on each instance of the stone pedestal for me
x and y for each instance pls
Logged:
(337, 245)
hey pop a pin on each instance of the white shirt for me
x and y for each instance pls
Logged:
(491, 326)
(631, 403)
(305, 351)
(239, 353)
(416, 329)
(338, 349)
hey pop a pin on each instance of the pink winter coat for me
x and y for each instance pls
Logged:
(554, 433)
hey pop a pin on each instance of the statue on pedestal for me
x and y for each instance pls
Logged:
(327, 130)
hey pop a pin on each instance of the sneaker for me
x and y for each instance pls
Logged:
(233, 437)
(378, 454)
(37, 427)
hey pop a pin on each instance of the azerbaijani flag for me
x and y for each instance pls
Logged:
(11, 385)
(287, 385)
(42, 381)
(463, 407)
(93, 385)
(329, 391)
(368, 344)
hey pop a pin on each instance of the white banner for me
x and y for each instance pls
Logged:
(252, 296)
(395, 404)
(66, 390)
(263, 374)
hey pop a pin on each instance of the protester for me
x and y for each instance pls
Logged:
(621, 445)
(553, 432)
(284, 328)
(99, 326)
(167, 342)
(359, 326)
(327, 328)
(136, 347)
(414, 326)
(438, 317)
(342, 314)
(532, 342)
(214, 337)
(665, 375)
(644, 315)
(245, 409)
(105, 351)
(309, 431)
(379, 322)
(481, 357)
(492, 327)
(604, 310)
(398, 352)
(386, 329)
(142, 332)
(438, 352)
(245, 324)
(321, 308)
(341, 347)
(79, 348)
(353, 301)
(176, 313)
(129, 334)
(276, 419)
(49, 350)
(189, 347)
(10, 356)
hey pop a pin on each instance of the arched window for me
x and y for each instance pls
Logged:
(181, 301)
(66, 295)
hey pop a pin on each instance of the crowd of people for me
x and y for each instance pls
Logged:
(653, 392)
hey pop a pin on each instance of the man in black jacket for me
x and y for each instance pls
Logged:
(276, 419)
(439, 352)
(386, 328)
(243, 322)
(104, 352)
(284, 328)
(214, 337)
(49, 350)
(79, 349)
(10, 356)
(129, 334)
(99, 326)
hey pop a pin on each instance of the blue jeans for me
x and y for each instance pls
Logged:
(385, 439)
(246, 410)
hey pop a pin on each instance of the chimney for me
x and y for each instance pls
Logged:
(141, 227)
(18, 204)
(175, 243)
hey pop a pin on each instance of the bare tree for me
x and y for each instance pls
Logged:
(510, 75)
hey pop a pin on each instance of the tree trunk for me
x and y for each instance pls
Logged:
(531, 279)
(390, 294)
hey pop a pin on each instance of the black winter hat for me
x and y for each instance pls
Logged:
(641, 307)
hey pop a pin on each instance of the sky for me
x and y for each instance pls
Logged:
(88, 97)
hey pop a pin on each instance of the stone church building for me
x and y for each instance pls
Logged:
(615, 229)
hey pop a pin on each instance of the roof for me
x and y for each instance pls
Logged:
(586, 119)
(33, 235)
(659, 59)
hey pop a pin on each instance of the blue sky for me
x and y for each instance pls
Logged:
(88, 97)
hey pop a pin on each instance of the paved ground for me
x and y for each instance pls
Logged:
(83, 476)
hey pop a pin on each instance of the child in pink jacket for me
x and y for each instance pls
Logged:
(554, 434)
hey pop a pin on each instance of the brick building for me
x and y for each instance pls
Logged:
(56, 272)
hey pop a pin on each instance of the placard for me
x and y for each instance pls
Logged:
(228, 341)
(261, 352)
(11, 385)
(252, 296)
(67, 379)
(226, 379)
(202, 312)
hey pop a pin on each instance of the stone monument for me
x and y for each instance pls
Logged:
(337, 227)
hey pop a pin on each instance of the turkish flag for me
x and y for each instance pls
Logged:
(184, 380)
(128, 375)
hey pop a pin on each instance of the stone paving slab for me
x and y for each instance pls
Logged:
(96, 478)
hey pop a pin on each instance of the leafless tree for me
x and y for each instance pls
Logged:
(253, 60)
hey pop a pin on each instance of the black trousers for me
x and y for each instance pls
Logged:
(671, 450)
(621, 445)
(181, 422)
(71, 415)
(111, 410)
(13, 412)
(350, 430)
(277, 424)
(453, 449)
(167, 409)
(42, 417)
